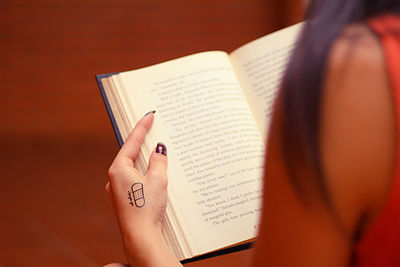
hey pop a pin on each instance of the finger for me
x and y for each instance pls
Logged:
(158, 161)
(131, 148)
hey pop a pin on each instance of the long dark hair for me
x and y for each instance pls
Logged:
(303, 82)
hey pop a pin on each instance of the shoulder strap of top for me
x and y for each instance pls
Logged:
(380, 245)
(388, 29)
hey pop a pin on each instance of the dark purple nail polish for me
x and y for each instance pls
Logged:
(161, 149)
(153, 111)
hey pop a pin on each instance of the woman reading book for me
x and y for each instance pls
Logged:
(332, 176)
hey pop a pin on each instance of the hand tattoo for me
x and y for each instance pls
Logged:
(138, 195)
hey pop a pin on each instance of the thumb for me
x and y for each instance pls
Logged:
(158, 162)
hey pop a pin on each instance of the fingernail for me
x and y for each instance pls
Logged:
(161, 149)
(153, 111)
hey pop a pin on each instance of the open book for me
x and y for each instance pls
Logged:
(212, 112)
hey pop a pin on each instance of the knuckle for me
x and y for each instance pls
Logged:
(157, 174)
(113, 172)
(160, 159)
(137, 142)
(142, 125)
(139, 133)
(159, 177)
(164, 183)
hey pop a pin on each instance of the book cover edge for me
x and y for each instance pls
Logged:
(108, 107)
(234, 248)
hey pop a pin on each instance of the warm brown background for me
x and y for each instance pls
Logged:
(56, 141)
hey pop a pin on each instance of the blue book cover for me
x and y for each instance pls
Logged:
(108, 107)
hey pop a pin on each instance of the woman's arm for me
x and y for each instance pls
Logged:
(358, 150)
(139, 201)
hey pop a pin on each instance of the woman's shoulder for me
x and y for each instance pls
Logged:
(359, 44)
(358, 132)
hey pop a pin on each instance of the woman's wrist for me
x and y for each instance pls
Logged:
(149, 249)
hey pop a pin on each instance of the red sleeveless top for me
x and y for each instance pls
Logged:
(380, 245)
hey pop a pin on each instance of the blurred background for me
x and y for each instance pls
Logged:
(56, 141)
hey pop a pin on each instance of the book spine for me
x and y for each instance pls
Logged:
(108, 107)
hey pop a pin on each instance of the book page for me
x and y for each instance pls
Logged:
(259, 65)
(215, 150)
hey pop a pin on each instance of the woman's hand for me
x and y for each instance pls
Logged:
(140, 201)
